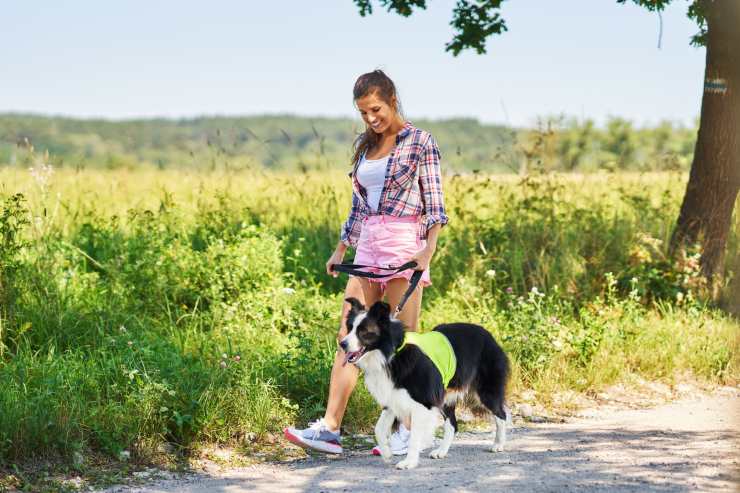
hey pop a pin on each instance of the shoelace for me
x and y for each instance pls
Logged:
(317, 427)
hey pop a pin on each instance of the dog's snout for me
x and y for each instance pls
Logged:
(343, 344)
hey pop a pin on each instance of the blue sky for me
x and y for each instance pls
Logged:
(135, 58)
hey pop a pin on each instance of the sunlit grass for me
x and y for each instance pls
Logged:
(188, 307)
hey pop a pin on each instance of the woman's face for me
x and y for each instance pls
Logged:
(378, 114)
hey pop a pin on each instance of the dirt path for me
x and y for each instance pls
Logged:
(685, 446)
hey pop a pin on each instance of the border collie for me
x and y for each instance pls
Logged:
(409, 386)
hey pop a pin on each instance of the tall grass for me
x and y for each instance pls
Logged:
(149, 307)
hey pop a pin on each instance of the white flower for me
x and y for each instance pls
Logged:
(491, 273)
(288, 290)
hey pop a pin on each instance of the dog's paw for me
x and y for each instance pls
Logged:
(386, 455)
(407, 464)
(438, 454)
(497, 447)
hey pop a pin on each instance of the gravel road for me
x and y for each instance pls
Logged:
(692, 445)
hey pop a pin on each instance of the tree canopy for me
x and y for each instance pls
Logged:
(474, 21)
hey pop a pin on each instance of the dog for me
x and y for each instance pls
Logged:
(409, 384)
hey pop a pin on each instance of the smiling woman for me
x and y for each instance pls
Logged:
(396, 214)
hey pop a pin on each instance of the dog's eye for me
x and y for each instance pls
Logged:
(367, 333)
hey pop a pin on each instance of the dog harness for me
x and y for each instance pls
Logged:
(438, 348)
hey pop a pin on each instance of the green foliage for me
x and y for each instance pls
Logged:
(12, 220)
(209, 318)
(475, 21)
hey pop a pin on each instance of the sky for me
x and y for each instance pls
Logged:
(135, 58)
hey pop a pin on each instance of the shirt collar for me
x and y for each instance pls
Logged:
(407, 128)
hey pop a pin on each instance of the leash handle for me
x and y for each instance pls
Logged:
(354, 269)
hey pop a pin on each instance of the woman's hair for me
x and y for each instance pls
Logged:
(380, 84)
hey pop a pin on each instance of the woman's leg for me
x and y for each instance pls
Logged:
(344, 377)
(412, 309)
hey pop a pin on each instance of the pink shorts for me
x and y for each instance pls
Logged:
(389, 241)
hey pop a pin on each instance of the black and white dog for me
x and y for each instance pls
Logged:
(409, 386)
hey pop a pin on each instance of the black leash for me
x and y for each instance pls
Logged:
(354, 269)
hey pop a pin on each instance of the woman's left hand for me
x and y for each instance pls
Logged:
(422, 258)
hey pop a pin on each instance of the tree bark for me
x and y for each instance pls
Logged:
(714, 179)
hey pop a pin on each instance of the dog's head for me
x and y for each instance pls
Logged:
(370, 330)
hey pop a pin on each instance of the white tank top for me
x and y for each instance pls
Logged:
(371, 175)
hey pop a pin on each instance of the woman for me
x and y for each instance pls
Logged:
(397, 212)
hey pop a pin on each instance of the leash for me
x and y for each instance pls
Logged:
(354, 269)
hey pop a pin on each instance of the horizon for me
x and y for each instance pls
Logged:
(175, 119)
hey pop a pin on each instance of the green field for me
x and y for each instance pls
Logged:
(142, 307)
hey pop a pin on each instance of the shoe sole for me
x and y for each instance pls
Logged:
(376, 452)
(318, 445)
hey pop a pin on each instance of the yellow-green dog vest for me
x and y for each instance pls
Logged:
(438, 348)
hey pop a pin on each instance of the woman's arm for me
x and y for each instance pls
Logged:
(350, 233)
(430, 185)
(424, 256)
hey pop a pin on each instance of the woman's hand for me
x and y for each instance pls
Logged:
(423, 257)
(336, 258)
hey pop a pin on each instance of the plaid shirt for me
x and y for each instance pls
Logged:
(413, 186)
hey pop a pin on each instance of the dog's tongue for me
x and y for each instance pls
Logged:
(349, 355)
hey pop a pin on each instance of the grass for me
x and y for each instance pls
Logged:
(149, 308)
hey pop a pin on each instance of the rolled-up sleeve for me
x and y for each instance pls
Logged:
(350, 233)
(430, 185)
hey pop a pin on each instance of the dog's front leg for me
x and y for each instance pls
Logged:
(422, 425)
(383, 430)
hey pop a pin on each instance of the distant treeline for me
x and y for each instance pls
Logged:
(289, 142)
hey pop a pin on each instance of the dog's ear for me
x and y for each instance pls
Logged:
(380, 311)
(355, 304)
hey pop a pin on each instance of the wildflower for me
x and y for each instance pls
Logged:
(122, 329)
(679, 297)
(225, 356)
(237, 358)
(42, 175)
(509, 290)
(288, 290)
(491, 273)
(130, 343)
(223, 364)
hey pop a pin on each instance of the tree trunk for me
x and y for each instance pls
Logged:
(714, 180)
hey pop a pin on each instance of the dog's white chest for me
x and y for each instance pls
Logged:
(377, 380)
(381, 387)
